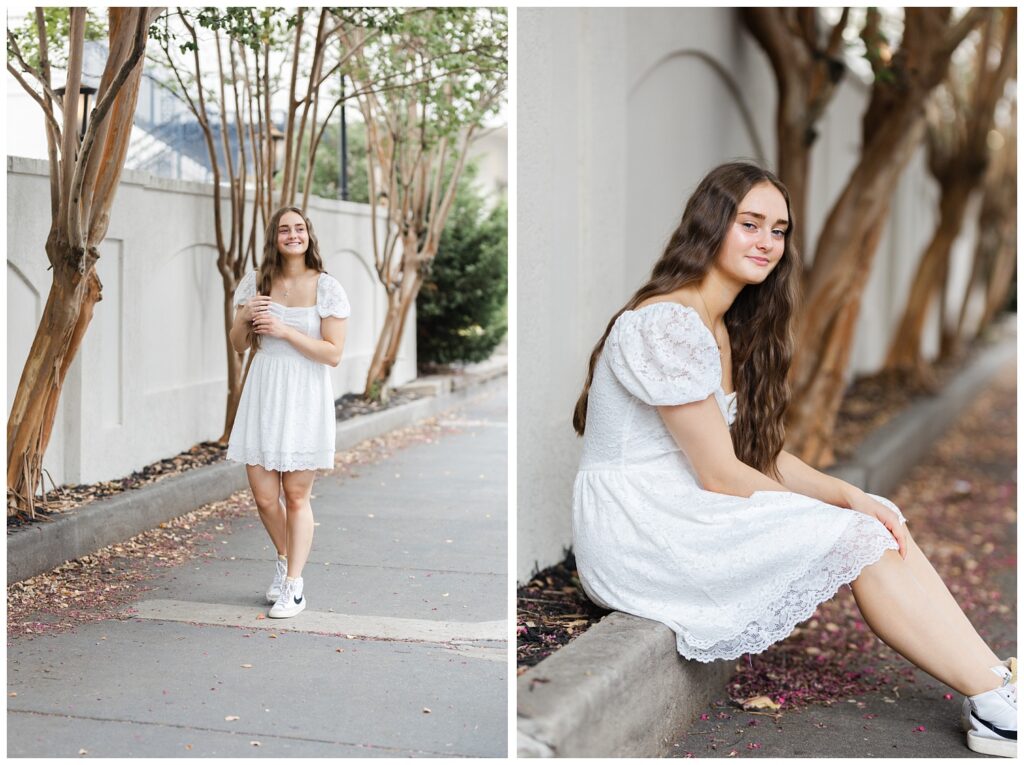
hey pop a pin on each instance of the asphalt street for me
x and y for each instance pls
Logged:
(402, 650)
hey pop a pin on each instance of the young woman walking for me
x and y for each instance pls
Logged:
(686, 509)
(292, 314)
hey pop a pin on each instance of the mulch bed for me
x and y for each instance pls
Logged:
(959, 502)
(70, 497)
(551, 611)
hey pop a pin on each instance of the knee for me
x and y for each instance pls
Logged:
(882, 568)
(265, 502)
(296, 500)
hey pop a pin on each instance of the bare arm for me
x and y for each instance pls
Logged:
(801, 478)
(326, 351)
(700, 431)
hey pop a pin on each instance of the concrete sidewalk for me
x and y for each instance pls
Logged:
(401, 652)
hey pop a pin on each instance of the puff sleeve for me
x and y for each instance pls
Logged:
(245, 289)
(331, 299)
(664, 355)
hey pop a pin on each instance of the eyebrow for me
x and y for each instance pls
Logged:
(783, 221)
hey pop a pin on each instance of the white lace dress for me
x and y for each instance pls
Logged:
(286, 418)
(729, 575)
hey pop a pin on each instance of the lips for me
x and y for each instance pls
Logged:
(759, 261)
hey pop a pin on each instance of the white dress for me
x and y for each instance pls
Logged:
(286, 418)
(729, 575)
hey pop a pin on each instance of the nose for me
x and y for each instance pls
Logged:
(765, 244)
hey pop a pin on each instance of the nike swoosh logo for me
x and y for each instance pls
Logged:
(1010, 734)
(298, 600)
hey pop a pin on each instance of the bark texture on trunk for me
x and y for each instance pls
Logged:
(84, 180)
(892, 128)
(808, 66)
(958, 158)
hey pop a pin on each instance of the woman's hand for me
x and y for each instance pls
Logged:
(255, 305)
(862, 503)
(264, 322)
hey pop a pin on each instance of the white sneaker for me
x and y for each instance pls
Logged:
(994, 721)
(291, 600)
(1007, 669)
(280, 574)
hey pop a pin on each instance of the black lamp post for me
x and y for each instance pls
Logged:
(276, 147)
(84, 93)
(343, 148)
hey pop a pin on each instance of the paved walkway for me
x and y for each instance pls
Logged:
(960, 504)
(402, 650)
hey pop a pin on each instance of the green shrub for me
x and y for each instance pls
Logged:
(461, 311)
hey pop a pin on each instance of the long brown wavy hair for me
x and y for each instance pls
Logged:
(758, 321)
(271, 264)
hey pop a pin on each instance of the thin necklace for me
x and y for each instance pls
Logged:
(710, 322)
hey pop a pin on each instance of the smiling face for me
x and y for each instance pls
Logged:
(756, 240)
(292, 236)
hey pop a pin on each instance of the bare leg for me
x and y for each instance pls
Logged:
(298, 485)
(905, 615)
(266, 490)
(944, 603)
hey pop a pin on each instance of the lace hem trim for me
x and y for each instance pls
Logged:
(856, 548)
(284, 462)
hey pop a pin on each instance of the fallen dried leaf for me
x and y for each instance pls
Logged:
(759, 703)
(232, 718)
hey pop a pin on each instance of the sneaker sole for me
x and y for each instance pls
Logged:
(289, 613)
(993, 746)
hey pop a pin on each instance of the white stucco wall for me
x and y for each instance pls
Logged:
(150, 378)
(618, 119)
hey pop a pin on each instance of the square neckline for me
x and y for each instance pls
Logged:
(305, 307)
(705, 326)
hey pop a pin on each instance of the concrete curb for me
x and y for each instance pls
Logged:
(41, 547)
(884, 456)
(618, 690)
(621, 689)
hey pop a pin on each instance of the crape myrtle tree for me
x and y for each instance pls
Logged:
(958, 135)
(891, 130)
(995, 253)
(229, 66)
(84, 176)
(806, 57)
(454, 61)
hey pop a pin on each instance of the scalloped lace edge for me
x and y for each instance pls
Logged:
(793, 610)
(286, 463)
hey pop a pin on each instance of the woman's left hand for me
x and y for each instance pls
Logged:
(862, 503)
(266, 323)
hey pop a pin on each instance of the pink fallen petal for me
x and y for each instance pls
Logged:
(948, 696)
(919, 729)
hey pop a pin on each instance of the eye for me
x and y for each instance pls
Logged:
(779, 233)
(748, 225)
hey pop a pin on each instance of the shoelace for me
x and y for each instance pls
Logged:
(286, 593)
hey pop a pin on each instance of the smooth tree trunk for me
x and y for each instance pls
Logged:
(892, 128)
(905, 359)
(83, 186)
(807, 72)
(958, 158)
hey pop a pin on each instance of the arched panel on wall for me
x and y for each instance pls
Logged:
(182, 318)
(686, 113)
(24, 310)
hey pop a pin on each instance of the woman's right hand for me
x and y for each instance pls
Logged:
(884, 515)
(255, 306)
